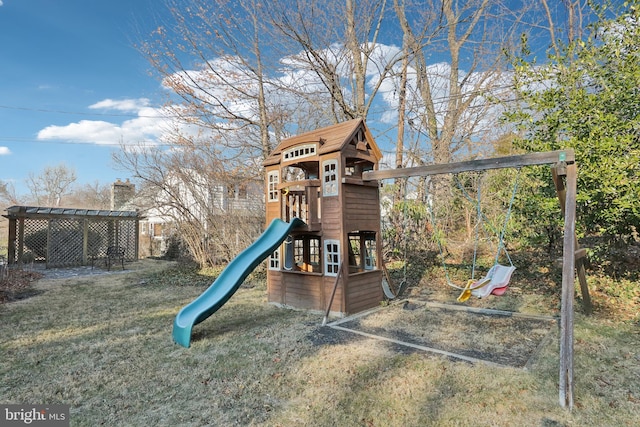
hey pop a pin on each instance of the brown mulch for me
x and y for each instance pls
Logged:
(16, 284)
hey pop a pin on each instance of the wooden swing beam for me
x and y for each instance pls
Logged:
(564, 166)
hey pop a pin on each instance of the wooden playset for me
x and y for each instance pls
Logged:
(317, 177)
(323, 245)
(329, 178)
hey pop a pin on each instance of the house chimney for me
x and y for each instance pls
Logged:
(121, 194)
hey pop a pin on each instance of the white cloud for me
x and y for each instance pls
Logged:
(4, 151)
(226, 90)
(147, 127)
(129, 105)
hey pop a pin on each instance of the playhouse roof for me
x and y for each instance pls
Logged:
(331, 138)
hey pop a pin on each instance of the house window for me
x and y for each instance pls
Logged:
(332, 257)
(274, 260)
(237, 191)
(155, 229)
(330, 178)
(273, 180)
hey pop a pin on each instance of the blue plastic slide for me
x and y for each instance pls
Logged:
(230, 279)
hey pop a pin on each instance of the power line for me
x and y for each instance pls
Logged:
(78, 113)
(67, 142)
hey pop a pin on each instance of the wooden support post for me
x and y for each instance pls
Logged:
(13, 238)
(21, 222)
(136, 254)
(568, 277)
(558, 171)
(333, 294)
(85, 241)
(49, 253)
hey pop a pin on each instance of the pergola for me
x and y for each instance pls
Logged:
(62, 237)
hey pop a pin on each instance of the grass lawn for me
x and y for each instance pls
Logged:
(103, 345)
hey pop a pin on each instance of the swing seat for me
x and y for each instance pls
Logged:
(499, 291)
(499, 278)
(388, 293)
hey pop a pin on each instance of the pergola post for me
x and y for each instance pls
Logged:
(11, 248)
(20, 240)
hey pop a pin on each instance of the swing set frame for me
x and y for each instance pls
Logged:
(564, 174)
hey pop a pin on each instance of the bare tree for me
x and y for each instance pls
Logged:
(453, 89)
(94, 195)
(454, 101)
(211, 57)
(54, 182)
(335, 48)
(245, 74)
(196, 192)
(8, 193)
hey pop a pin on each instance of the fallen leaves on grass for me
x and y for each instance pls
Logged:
(16, 284)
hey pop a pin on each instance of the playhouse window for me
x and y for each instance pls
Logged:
(354, 167)
(273, 181)
(306, 253)
(370, 251)
(298, 251)
(274, 260)
(330, 178)
(299, 152)
(332, 257)
(354, 250)
(314, 251)
(362, 251)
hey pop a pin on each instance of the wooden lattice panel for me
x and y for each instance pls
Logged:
(127, 238)
(97, 239)
(35, 240)
(65, 242)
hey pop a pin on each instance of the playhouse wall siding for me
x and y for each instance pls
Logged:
(338, 305)
(300, 290)
(331, 220)
(273, 211)
(364, 208)
(273, 208)
(364, 291)
(306, 294)
(275, 287)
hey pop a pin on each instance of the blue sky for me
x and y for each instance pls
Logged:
(69, 67)
(73, 86)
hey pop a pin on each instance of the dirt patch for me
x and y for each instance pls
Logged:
(495, 337)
